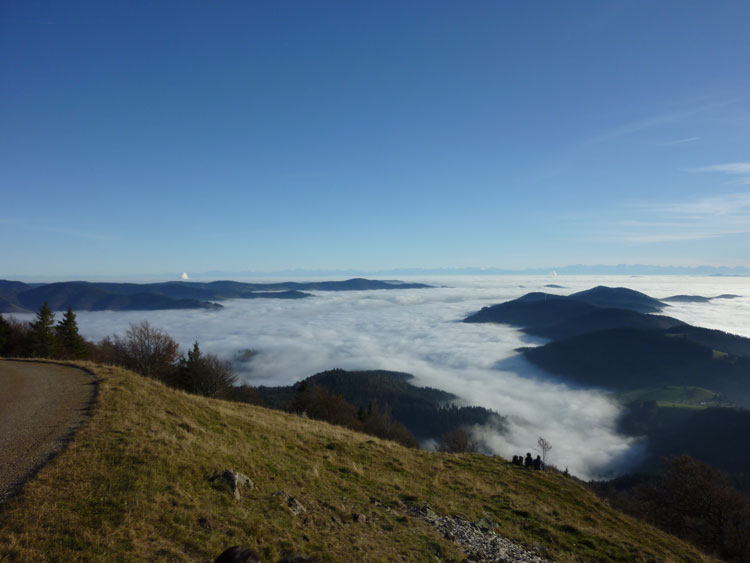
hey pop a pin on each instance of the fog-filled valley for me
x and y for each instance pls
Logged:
(419, 331)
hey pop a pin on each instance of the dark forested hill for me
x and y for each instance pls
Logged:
(604, 319)
(697, 298)
(426, 412)
(714, 339)
(624, 359)
(84, 296)
(10, 288)
(532, 310)
(602, 337)
(539, 312)
(619, 298)
(97, 296)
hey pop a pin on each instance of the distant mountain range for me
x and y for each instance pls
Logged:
(607, 337)
(19, 297)
(567, 270)
(571, 270)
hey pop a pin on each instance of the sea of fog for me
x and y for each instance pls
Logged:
(419, 332)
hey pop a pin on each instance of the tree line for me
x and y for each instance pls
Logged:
(42, 338)
(143, 349)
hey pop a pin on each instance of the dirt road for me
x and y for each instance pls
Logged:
(41, 405)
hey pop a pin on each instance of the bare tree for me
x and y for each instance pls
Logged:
(458, 441)
(543, 446)
(148, 351)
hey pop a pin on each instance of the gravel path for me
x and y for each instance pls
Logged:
(41, 405)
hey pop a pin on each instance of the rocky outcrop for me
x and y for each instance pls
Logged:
(478, 540)
(291, 502)
(234, 479)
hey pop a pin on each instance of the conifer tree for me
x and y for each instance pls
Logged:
(71, 343)
(4, 336)
(189, 370)
(43, 342)
(205, 374)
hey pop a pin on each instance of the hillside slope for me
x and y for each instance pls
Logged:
(134, 486)
(627, 359)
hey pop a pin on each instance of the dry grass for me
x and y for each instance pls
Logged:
(133, 486)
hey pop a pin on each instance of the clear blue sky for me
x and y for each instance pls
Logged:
(154, 137)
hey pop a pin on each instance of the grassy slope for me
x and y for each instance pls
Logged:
(133, 486)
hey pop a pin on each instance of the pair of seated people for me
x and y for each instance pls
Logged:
(528, 462)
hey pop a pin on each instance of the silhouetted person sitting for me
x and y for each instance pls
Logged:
(238, 554)
(528, 461)
(538, 463)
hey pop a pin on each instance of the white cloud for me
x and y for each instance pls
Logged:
(680, 141)
(675, 237)
(725, 205)
(729, 168)
(697, 219)
(741, 169)
(34, 226)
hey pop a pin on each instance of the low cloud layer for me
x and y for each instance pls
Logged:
(418, 331)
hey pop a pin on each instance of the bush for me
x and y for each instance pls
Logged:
(205, 374)
(145, 350)
(15, 338)
(458, 441)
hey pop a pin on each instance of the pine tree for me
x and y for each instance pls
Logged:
(4, 336)
(71, 343)
(205, 374)
(189, 370)
(43, 342)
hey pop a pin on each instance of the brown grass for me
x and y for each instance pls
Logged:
(133, 486)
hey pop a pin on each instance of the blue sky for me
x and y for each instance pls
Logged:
(162, 137)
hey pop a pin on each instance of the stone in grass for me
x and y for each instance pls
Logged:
(359, 518)
(291, 502)
(234, 479)
(485, 524)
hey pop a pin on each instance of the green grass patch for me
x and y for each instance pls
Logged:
(670, 395)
